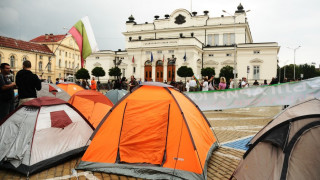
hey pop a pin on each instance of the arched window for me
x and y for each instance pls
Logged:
(24, 59)
(148, 63)
(160, 63)
(12, 61)
(59, 63)
(40, 66)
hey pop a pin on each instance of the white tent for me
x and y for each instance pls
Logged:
(41, 133)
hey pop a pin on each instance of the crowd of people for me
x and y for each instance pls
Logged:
(210, 84)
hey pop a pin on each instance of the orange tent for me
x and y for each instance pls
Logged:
(155, 132)
(70, 88)
(92, 104)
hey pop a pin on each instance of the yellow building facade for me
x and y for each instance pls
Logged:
(14, 52)
(66, 61)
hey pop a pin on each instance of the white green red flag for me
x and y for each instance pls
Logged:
(83, 35)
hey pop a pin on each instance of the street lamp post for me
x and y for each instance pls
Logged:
(235, 48)
(172, 61)
(294, 61)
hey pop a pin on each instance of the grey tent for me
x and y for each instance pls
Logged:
(41, 133)
(287, 147)
(51, 90)
(115, 95)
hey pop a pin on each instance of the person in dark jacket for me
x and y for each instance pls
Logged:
(27, 83)
(6, 91)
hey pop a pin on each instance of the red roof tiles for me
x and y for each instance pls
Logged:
(24, 45)
(49, 38)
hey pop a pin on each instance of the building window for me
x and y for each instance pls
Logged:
(216, 40)
(213, 39)
(228, 39)
(148, 52)
(69, 64)
(24, 59)
(159, 52)
(49, 66)
(134, 69)
(40, 66)
(66, 54)
(59, 75)
(210, 55)
(171, 51)
(65, 64)
(59, 63)
(228, 54)
(49, 79)
(123, 72)
(256, 52)
(41, 57)
(97, 57)
(73, 65)
(12, 61)
(256, 72)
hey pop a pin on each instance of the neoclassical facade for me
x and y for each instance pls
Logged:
(154, 51)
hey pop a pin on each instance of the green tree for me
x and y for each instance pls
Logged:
(308, 71)
(227, 72)
(115, 71)
(185, 72)
(82, 74)
(208, 71)
(98, 72)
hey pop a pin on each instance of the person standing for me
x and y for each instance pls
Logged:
(205, 85)
(27, 83)
(192, 85)
(6, 91)
(222, 84)
(133, 83)
(244, 83)
(231, 85)
(93, 84)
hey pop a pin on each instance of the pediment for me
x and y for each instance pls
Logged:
(228, 62)
(97, 64)
(211, 62)
(256, 60)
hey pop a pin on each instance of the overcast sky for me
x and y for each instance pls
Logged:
(290, 23)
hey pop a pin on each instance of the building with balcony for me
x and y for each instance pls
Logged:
(154, 51)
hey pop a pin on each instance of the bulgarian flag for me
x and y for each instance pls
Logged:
(83, 34)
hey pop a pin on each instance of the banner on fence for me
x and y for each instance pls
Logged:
(275, 95)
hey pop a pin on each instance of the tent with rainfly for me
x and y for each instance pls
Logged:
(52, 90)
(41, 133)
(287, 147)
(70, 88)
(155, 132)
(115, 94)
(92, 104)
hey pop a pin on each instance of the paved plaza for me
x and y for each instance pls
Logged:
(233, 128)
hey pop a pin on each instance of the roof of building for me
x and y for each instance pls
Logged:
(24, 45)
(49, 38)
